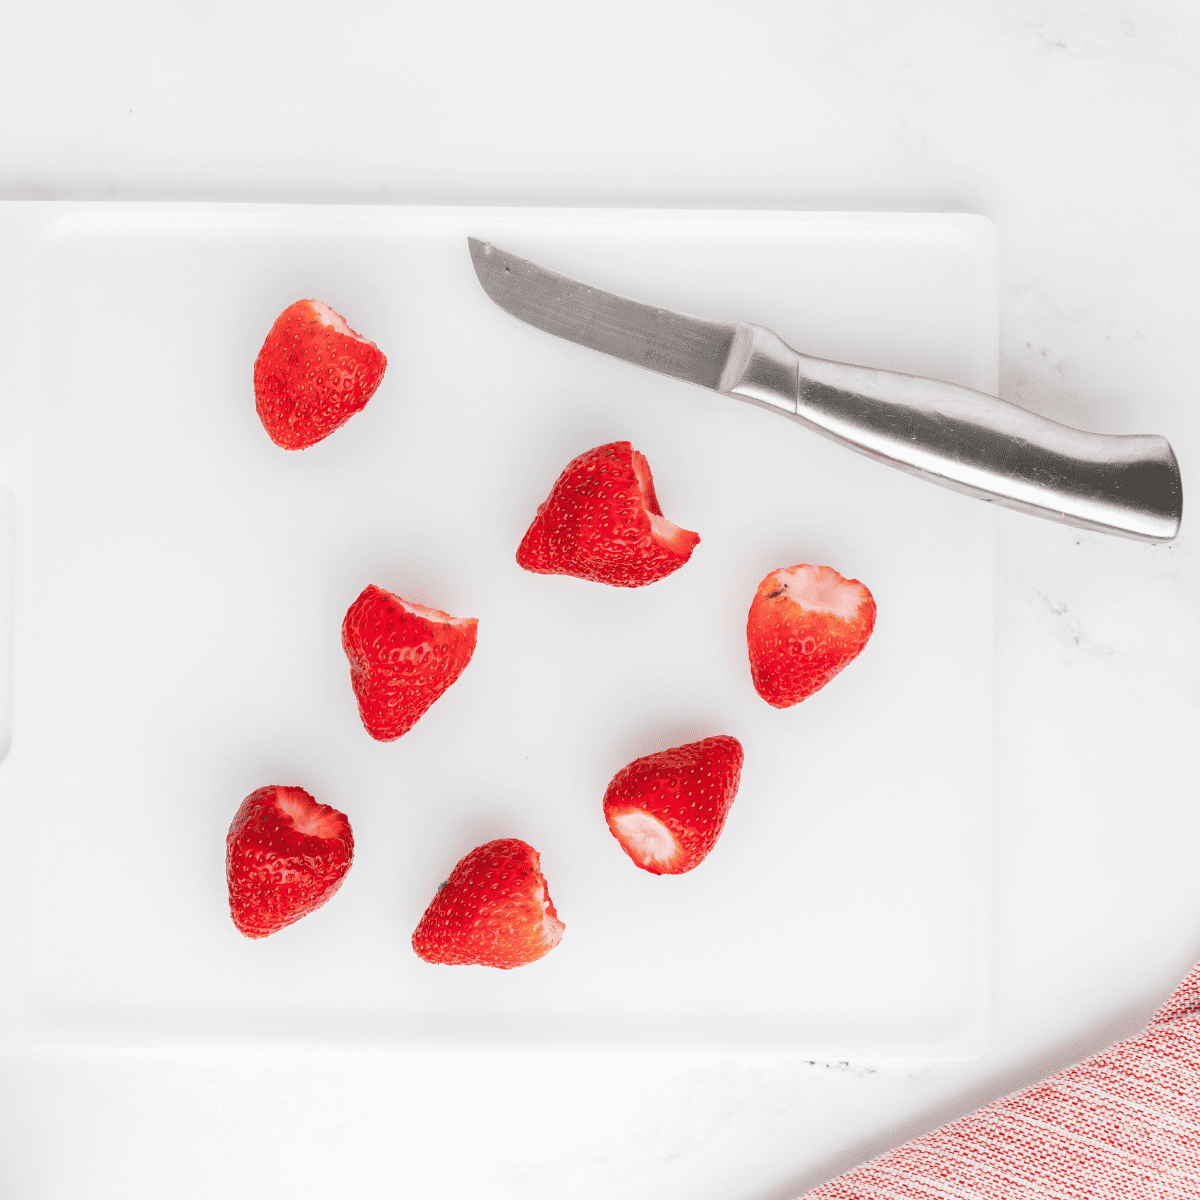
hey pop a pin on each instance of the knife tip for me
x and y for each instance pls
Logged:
(482, 260)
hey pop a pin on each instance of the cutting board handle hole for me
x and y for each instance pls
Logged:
(8, 544)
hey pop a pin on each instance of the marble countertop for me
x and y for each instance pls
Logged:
(1073, 127)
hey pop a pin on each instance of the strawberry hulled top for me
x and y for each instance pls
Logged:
(313, 374)
(285, 856)
(493, 911)
(402, 656)
(668, 809)
(602, 522)
(806, 624)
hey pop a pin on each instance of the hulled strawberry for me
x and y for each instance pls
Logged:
(493, 911)
(403, 656)
(284, 857)
(602, 521)
(313, 374)
(806, 624)
(668, 809)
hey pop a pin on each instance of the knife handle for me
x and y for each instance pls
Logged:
(967, 440)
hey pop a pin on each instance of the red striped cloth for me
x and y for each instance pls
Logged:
(1124, 1125)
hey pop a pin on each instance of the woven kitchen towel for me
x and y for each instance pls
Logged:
(1125, 1124)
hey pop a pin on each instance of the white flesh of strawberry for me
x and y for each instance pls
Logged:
(309, 818)
(664, 532)
(552, 930)
(327, 316)
(645, 837)
(821, 590)
(432, 614)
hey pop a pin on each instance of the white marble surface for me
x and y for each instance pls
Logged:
(1074, 127)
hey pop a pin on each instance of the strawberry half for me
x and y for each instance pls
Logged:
(602, 521)
(493, 911)
(313, 374)
(402, 658)
(284, 857)
(668, 809)
(806, 624)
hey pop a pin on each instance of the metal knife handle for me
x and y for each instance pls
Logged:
(967, 440)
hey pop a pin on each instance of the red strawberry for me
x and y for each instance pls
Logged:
(313, 374)
(668, 809)
(285, 856)
(602, 521)
(806, 623)
(494, 910)
(402, 658)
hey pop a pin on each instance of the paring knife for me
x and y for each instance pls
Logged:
(955, 436)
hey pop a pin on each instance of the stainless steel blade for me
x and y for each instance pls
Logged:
(670, 343)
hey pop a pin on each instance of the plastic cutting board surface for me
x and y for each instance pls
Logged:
(180, 583)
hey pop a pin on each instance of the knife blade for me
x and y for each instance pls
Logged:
(966, 440)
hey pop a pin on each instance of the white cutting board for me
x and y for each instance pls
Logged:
(180, 584)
